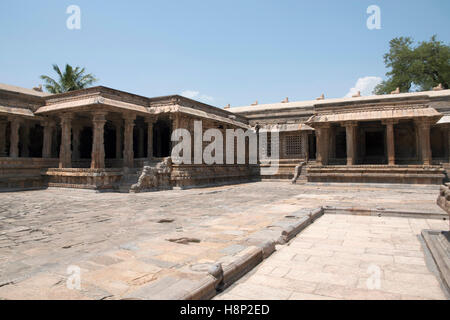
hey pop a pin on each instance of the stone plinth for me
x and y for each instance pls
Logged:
(411, 174)
(186, 175)
(83, 178)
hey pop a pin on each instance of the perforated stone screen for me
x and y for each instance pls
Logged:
(294, 145)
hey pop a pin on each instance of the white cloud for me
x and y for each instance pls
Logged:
(365, 85)
(191, 94)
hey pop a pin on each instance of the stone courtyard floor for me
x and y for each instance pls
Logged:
(347, 257)
(120, 243)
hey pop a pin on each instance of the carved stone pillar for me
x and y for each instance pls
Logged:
(49, 127)
(128, 156)
(118, 128)
(225, 127)
(76, 131)
(350, 135)
(322, 137)
(176, 124)
(390, 140)
(3, 125)
(150, 122)
(424, 139)
(305, 144)
(448, 141)
(65, 153)
(25, 141)
(14, 137)
(98, 145)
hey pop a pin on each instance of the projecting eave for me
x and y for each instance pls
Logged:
(20, 112)
(386, 113)
(230, 119)
(91, 104)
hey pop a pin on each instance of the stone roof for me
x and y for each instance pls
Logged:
(6, 110)
(115, 100)
(7, 87)
(444, 120)
(287, 127)
(385, 112)
(326, 102)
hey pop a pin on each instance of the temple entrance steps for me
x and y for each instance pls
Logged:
(408, 174)
(286, 169)
(131, 176)
(446, 167)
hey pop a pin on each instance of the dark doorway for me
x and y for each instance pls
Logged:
(110, 142)
(86, 143)
(374, 144)
(36, 141)
(438, 142)
(375, 147)
(341, 145)
(312, 146)
(161, 139)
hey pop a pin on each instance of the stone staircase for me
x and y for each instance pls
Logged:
(286, 168)
(446, 167)
(131, 176)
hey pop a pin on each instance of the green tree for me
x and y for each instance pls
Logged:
(421, 67)
(69, 80)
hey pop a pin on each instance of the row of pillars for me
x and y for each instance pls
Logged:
(98, 146)
(323, 136)
(14, 138)
(68, 129)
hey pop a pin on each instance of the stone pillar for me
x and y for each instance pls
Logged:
(118, 128)
(322, 142)
(65, 153)
(424, 138)
(350, 136)
(128, 156)
(305, 144)
(176, 123)
(98, 145)
(150, 122)
(3, 125)
(225, 127)
(390, 140)
(14, 137)
(49, 127)
(25, 139)
(76, 131)
(448, 141)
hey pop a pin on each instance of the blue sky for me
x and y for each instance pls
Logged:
(217, 51)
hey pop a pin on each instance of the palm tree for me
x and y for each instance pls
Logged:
(69, 80)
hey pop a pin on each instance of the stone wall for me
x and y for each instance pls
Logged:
(202, 175)
(23, 173)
